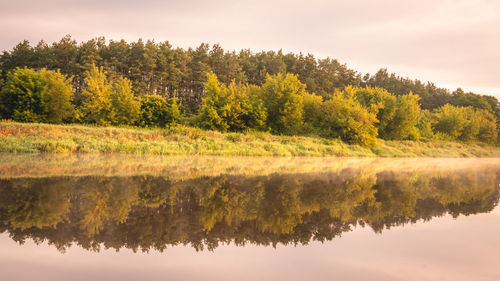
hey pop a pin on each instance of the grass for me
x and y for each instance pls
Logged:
(33, 138)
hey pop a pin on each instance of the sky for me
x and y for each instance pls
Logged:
(453, 43)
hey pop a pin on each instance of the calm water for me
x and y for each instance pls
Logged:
(114, 217)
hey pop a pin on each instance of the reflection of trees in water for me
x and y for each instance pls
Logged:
(145, 212)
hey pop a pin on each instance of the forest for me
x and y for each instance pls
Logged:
(149, 84)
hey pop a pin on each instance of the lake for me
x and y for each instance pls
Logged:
(122, 217)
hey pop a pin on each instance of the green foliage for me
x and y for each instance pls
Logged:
(159, 68)
(125, 105)
(488, 127)
(96, 103)
(276, 98)
(424, 125)
(22, 96)
(104, 101)
(36, 96)
(1, 82)
(450, 120)
(215, 106)
(481, 102)
(256, 113)
(230, 108)
(466, 123)
(381, 102)
(312, 113)
(431, 96)
(58, 98)
(283, 97)
(157, 112)
(174, 110)
(460, 98)
(398, 115)
(344, 117)
(406, 117)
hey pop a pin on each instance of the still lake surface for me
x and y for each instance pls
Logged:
(116, 217)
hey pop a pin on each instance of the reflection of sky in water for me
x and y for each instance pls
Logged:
(444, 248)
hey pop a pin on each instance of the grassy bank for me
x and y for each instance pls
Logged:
(31, 138)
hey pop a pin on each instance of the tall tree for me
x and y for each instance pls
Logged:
(345, 118)
(126, 107)
(31, 96)
(65, 56)
(198, 67)
(283, 97)
(58, 97)
(406, 117)
(235, 107)
(157, 112)
(95, 99)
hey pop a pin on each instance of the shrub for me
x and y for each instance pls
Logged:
(95, 100)
(125, 105)
(466, 123)
(344, 117)
(155, 111)
(235, 107)
(36, 96)
(283, 97)
(398, 116)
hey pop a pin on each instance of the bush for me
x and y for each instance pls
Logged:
(345, 118)
(283, 97)
(95, 100)
(406, 117)
(381, 102)
(36, 96)
(155, 111)
(424, 125)
(312, 113)
(125, 105)
(466, 123)
(235, 108)
(398, 116)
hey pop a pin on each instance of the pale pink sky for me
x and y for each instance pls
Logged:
(454, 43)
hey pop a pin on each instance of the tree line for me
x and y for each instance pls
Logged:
(153, 84)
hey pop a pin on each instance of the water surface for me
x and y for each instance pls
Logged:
(115, 217)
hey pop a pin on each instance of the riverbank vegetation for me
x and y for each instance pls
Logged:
(280, 96)
(34, 137)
